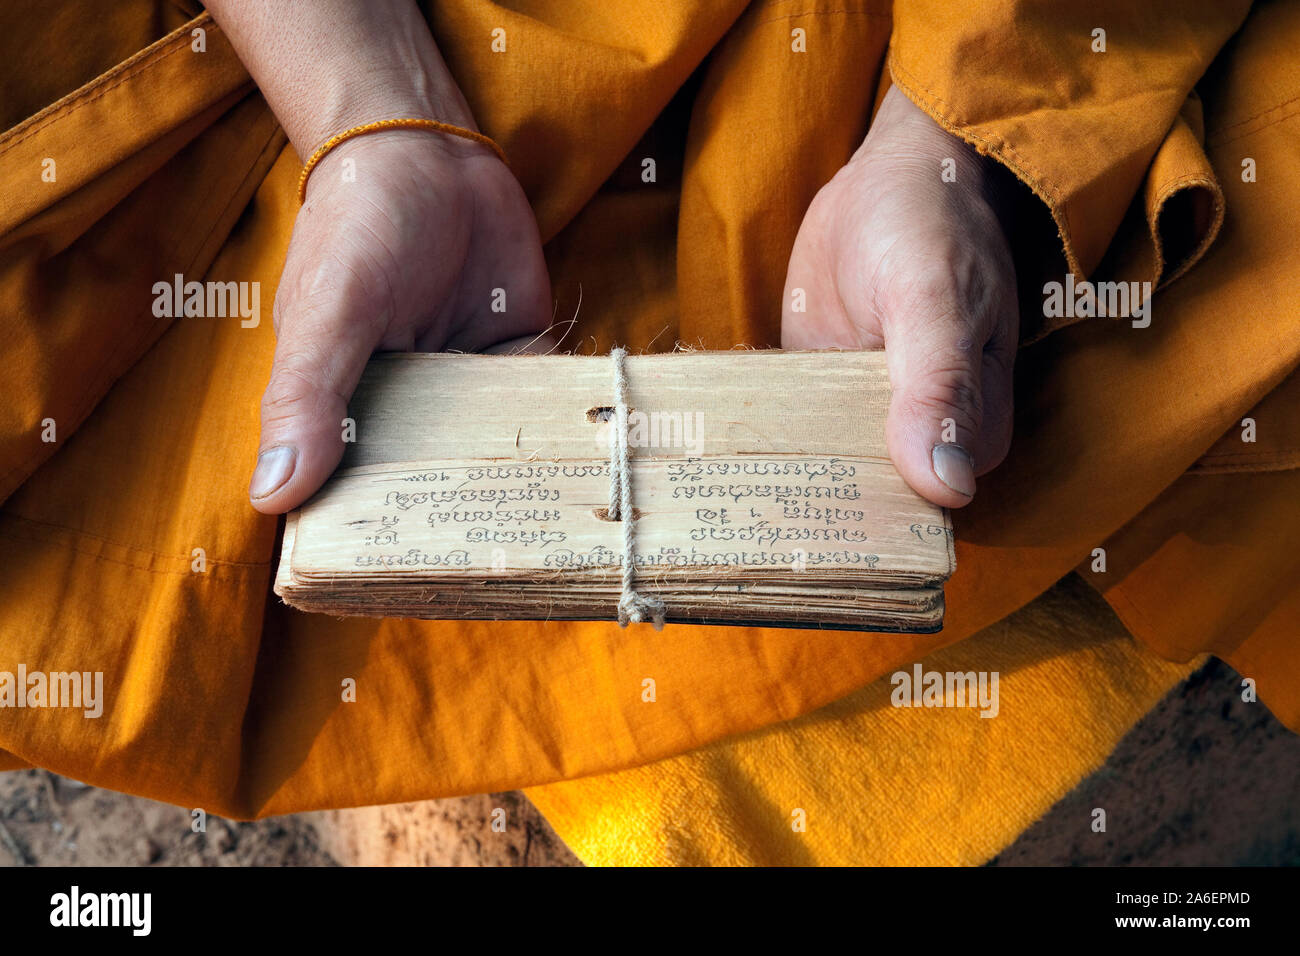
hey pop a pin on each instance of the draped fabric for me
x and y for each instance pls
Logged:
(166, 161)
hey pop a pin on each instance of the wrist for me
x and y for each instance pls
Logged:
(327, 66)
(910, 139)
(379, 139)
(357, 96)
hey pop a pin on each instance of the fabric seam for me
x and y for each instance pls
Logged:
(129, 68)
(86, 404)
(1217, 138)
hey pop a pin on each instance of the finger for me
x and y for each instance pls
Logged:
(997, 384)
(543, 343)
(318, 362)
(506, 287)
(813, 315)
(950, 414)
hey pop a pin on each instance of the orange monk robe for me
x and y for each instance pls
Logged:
(168, 162)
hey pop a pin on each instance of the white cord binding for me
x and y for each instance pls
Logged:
(631, 606)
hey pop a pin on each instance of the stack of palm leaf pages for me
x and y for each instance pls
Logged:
(478, 487)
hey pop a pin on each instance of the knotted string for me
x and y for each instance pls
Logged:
(631, 606)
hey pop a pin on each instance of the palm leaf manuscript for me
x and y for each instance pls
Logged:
(478, 487)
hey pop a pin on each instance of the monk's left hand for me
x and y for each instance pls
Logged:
(409, 239)
(905, 249)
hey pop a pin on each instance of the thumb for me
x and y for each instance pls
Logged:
(950, 414)
(316, 368)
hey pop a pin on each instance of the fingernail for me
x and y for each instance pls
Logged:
(953, 466)
(274, 468)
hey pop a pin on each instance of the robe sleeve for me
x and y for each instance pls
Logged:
(1090, 104)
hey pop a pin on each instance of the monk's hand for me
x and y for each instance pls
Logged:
(407, 240)
(905, 249)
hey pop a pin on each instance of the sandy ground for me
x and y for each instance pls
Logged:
(1200, 781)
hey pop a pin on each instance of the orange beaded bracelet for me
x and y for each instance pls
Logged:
(381, 125)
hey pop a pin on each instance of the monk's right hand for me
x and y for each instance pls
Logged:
(407, 240)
